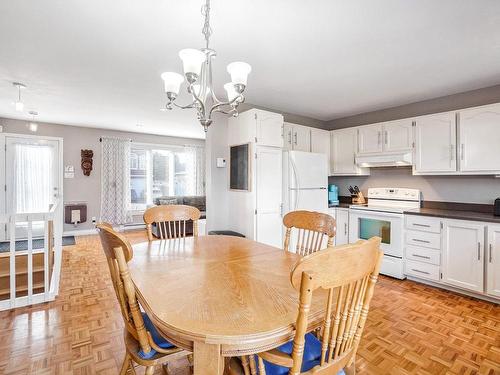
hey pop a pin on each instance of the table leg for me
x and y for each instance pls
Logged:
(208, 359)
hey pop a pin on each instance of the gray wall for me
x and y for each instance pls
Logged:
(82, 188)
(473, 98)
(468, 189)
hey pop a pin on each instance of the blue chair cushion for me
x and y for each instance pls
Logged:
(157, 338)
(311, 358)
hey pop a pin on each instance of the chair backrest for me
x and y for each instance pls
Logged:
(118, 253)
(349, 274)
(312, 228)
(171, 220)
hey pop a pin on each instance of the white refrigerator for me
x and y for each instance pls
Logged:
(305, 182)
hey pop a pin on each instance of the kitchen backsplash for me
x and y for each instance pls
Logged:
(468, 189)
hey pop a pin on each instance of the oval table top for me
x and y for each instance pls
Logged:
(222, 290)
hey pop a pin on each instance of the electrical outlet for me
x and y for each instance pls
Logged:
(94, 220)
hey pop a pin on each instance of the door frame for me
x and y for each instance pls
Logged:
(3, 171)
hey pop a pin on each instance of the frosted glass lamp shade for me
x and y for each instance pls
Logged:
(172, 82)
(19, 106)
(33, 126)
(192, 60)
(239, 72)
(231, 91)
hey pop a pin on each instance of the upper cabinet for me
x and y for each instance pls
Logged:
(435, 144)
(296, 137)
(320, 141)
(393, 136)
(343, 147)
(261, 127)
(479, 139)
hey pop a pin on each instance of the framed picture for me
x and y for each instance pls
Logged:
(239, 167)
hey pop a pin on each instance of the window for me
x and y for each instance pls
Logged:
(159, 171)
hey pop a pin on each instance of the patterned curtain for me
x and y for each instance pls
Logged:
(200, 169)
(115, 181)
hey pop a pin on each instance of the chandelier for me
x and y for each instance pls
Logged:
(197, 65)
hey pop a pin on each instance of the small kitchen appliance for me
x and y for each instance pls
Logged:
(497, 207)
(333, 195)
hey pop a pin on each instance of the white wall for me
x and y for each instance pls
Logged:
(465, 189)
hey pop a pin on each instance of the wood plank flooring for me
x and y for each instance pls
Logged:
(411, 329)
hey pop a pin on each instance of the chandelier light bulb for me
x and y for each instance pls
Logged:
(33, 126)
(192, 60)
(173, 82)
(231, 91)
(239, 72)
(19, 106)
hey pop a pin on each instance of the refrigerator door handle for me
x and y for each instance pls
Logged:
(296, 178)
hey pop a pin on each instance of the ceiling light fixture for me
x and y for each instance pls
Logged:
(33, 126)
(198, 73)
(19, 104)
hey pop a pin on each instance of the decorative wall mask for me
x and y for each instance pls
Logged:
(87, 156)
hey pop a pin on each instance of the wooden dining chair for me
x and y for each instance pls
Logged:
(144, 344)
(312, 228)
(171, 220)
(349, 274)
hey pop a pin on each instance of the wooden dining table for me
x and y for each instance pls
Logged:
(219, 296)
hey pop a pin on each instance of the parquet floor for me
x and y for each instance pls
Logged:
(411, 329)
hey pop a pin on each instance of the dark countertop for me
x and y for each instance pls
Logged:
(455, 214)
(340, 205)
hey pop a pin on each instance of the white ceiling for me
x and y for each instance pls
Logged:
(98, 62)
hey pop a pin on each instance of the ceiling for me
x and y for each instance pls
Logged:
(98, 62)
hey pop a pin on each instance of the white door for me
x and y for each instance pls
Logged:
(268, 196)
(370, 139)
(287, 136)
(493, 261)
(398, 135)
(479, 135)
(301, 138)
(307, 170)
(343, 151)
(32, 178)
(435, 144)
(463, 249)
(342, 220)
(269, 129)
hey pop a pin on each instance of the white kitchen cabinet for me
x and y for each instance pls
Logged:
(320, 143)
(493, 261)
(256, 126)
(435, 144)
(398, 135)
(202, 227)
(463, 254)
(296, 137)
(343, 148)
(370, 139)
(479, 137)
(342, 219)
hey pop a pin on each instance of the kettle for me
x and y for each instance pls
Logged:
(497, 207)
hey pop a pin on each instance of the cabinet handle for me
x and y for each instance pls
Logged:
(491, 254)
(462, 151)
(421, 256)
(385, 137)
(479, 251)
(378, 139)
(452, 153)
(290, 137)
(295, 136)
(421, 225)
(423, 241)
(345, 229)
(424, 272)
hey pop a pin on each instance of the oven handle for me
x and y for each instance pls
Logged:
(369, 213)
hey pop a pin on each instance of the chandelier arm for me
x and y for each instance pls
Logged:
(199, 101)
(192, 105)
(215, 108)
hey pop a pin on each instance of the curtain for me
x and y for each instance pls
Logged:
(199, 168)
(115, 181)
(33, 178)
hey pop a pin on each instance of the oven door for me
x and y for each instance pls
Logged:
(364, 224)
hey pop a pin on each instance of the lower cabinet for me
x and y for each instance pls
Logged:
(493, 261)
(342, 235)
(202, 227)
(463, 254)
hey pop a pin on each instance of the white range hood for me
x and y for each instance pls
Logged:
(393, 159)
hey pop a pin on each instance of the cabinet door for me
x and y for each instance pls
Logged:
(320, 143)
(342, 235)
(343, 149)
(369, 139)
(479, 135)
(268, 196)
(463, 250)
(435, 144)
(301, 138)
(287, 136)
(398, 135)
(493, 261)
(269, 129)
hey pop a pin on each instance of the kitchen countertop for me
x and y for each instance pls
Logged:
(455, 214)
(340, 205)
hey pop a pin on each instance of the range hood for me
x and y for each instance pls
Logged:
(385, 159)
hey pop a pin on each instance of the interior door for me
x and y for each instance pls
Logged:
(32, 179)
(268, 196)
(398, 135)
(463, 262)
(493, 261)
